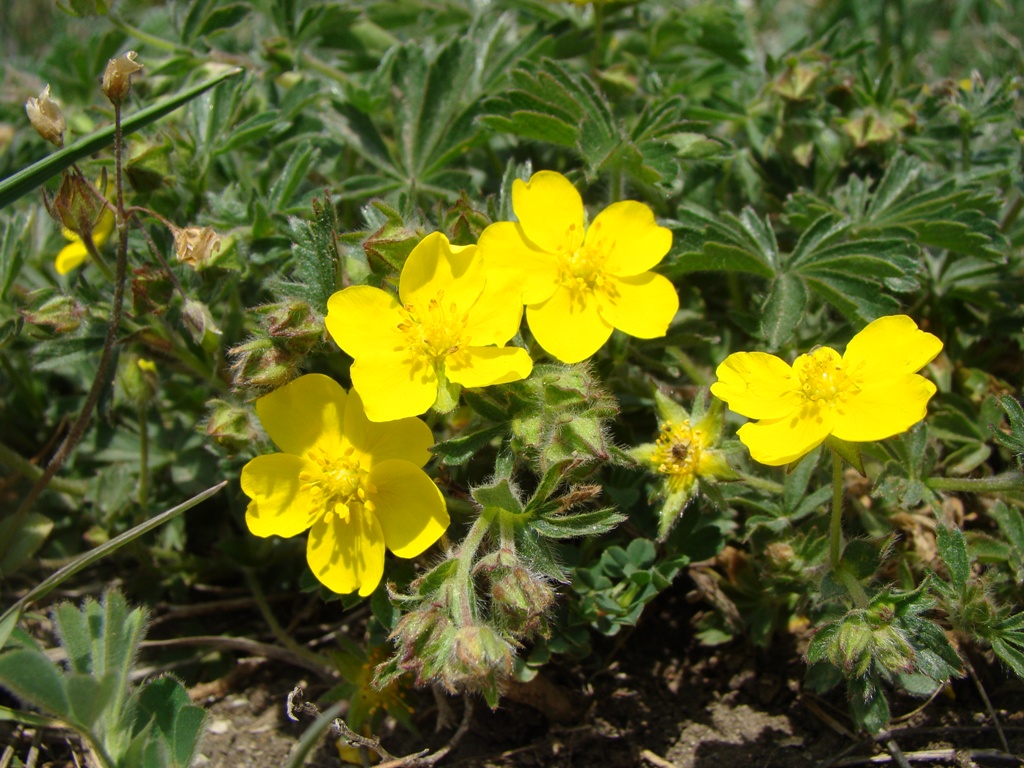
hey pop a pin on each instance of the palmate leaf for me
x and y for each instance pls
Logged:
(434, 103)
(856, 275)
(950, 214)
(550, 104)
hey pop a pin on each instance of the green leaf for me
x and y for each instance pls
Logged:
(24, 541)
(34, 679)
(459, 450)
(7, 625)
(317, 261)
(592, 523)
(501, 495)
(1009, 654)
(1015, 439)
(1010, 522)
(783, 310)
(76, 635)
(89, 697)
(868, 704)
(953, 551)
(23, 182)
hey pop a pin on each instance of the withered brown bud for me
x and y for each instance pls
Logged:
(195, 246)
(76, 205)
(45, 115)
(117, 78)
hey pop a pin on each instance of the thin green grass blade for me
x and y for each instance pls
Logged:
(90, 557)
(35, 175)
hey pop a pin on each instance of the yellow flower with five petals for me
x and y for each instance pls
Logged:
(357, 486)
(871, 392)
(448, 326)
(581, 283)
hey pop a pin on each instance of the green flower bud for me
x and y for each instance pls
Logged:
(479, 654)
(77, 206)
(294, 323)
(231, 427)
(851, 650)
(137, 379)
(892, 650)
(261, 364)
(62, 313)
(199, 322)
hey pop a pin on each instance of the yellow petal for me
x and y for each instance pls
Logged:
(777, 442)
(497, 314)
(103, 228)
(889, 346)
(407, 439)
(506, 253)
(641, 305)
(484, 366)
(550, 211)
(392, 389)
(347, 555)
(757, 385)
(628, 233)
(437, 268)
(884, 408)
(279, 506)
(569, 330)
(70, 257)
(364, 320)
(304, 413)
(409, 507)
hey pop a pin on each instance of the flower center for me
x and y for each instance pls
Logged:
(678, 450)
(582, 270)
(339, 487)
(823, 378)
(434, 330)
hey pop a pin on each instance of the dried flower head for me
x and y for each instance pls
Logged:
(195, 246)
(117, 78)
(45, 115)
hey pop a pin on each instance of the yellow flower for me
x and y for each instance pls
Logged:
(358, 486)
(580, 283)
(450, 325)
(684, 453)
(74, 253)
(872, 392)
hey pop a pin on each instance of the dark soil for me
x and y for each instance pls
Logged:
(657, 698)
(653, 697)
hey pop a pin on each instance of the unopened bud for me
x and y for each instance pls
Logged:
(77, 206)
(62, 313)
(230, 426)
(294, 323)
(523, 599)
(893, 651)
(852, 648)
(481, 653)
(199, 322)
(45, 115)
(137, 379)
(117, 78)
(260, 364)
(195, 246)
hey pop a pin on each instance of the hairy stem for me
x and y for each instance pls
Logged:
(78, 427)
